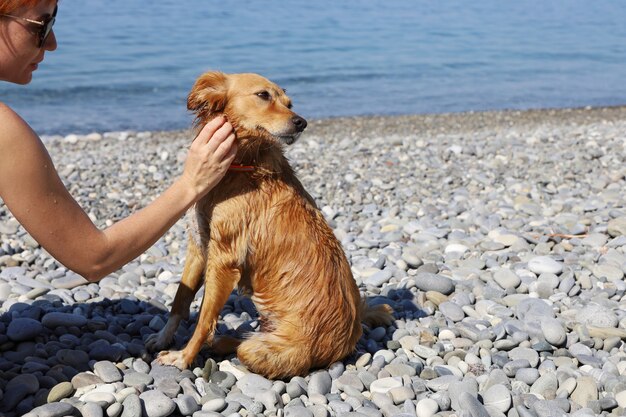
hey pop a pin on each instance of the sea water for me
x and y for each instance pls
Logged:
(129, 64)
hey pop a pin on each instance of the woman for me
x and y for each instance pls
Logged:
(31, 188)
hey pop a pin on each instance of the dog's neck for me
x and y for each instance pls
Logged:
(260, 156)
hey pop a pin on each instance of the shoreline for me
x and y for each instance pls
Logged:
(433, 122)
(476, 120)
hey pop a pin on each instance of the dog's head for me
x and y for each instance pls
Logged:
(254, 105)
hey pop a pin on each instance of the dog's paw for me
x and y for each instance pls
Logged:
(173, 358)
(158, 341)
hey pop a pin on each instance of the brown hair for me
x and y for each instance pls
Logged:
(8, 6)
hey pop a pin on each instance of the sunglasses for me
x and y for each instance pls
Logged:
(45, 26)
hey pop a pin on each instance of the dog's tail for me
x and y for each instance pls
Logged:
(376, 316)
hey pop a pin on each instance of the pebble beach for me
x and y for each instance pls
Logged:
(499, 239)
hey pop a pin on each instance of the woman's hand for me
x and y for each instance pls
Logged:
(209, 156)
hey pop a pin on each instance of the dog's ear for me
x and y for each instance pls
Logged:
(208, 94)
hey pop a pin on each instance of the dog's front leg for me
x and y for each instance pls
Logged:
(221, 278)
(190, 283)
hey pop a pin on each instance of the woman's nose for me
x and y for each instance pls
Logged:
(51, 42)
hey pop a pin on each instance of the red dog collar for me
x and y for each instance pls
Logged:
(241, 168)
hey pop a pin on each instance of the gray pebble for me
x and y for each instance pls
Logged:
(216, 404)
(546, 386)
(114, 410)
(426, 407)
(340, 407)
(400, 395)
(169, 387)
(320, 383)
(499, 397)
(296, 387)
(597, 315)
(349, 379)
(335, 370)
(270, 399)
(68, 282)
(298, 411)
(506, 278)
(224, 380)
(545, 264)
(140, 366)
(84, 379)
(527, 375)
(107, 371)
(132, 406)
(434, 282)
(525, 353)
(318, 411)
(546, 408)
(553, 331)
(367, 412)
(252, 384)
(472, 404)
(452, 311)
(157, 404)
(135, 379)
(91, 409)
(378, 279)
(52, 410)
(456, 388)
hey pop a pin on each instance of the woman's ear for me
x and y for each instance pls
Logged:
(208, 94)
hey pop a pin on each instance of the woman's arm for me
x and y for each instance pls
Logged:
(31, 188)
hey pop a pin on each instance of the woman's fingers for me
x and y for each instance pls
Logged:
(209, 130)
(220, 136)
(227, 149)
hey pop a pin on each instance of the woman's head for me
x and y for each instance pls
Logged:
(8, 6)
(23, 26)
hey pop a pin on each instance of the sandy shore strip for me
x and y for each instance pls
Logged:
(499, 238)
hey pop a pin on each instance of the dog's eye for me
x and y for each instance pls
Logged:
(264, 95)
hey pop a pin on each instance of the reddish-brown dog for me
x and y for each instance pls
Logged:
(261, 232)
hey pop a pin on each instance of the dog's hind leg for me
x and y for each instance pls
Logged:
(225, 345)
(190, 283)
(275, 355)
(221, 278)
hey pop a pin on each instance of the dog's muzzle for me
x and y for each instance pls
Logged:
(299, 123)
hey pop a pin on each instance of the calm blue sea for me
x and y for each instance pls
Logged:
(129, 64)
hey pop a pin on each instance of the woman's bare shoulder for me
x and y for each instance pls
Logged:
(7, 114)
(6, 111)
(13, 127)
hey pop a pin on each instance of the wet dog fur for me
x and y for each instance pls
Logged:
(262, 233)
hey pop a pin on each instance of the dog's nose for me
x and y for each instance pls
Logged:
(299, 123)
